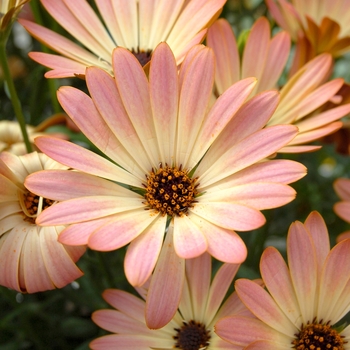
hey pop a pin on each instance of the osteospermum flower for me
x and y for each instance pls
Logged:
(303, 302)
(175, 164)
(191, 327)
(137, 25)
(31, 259)
(301, 96)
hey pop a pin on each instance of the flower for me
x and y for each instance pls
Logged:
(342, 209)
(192, 324)
(316, 25)
(303, 302)
(175, 165)
(137, 25)
(9, 10)
(302, 95)
(31, 259)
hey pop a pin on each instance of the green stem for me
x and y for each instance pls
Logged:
(53, 86)
(13, 93)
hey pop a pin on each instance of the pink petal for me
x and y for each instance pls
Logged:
(222, 40)
(133, 87)
(276, 276)
(166, 286)
(164, 99)
(263, 306)
(342, 209)
(342, 188)
(143, 252)
(189, 241)
(224, 245)
(84, 160)
(121, 230)
(229, 215)
(217, 165)
(303, 269)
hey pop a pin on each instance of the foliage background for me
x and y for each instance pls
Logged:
(60, 319)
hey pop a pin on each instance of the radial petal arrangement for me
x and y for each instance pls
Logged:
(137, 25)
(174, 163)
(192, 325)
(303, 300)
(25, 247)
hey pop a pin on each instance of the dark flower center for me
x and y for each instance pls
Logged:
(170, 191)
(318, 336)
(192, 336)
(142, 56)
(33, 205)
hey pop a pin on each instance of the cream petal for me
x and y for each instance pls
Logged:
(166, 286)
(143, 252)
(189, 241)
(122, 230)
(32, 260)
(303, 269)
(60, 266)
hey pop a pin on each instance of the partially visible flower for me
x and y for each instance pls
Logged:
(302, 303)
(177, 166)
(301, 96)
(9, 10)
(11, 138)
(191, 328)
(31, 258)
(137, 25)
(316, 25)
(342, 209)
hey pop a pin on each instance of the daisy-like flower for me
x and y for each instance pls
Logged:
(192, 327)
(316, 25)
(265, 58)
(302, 303)
(175, 163)
(31, 259)
(342, 209)
(9, 10)
(137, 25)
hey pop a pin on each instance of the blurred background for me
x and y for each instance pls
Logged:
(60, 319)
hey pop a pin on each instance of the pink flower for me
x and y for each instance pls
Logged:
(302, 95)
(193, 323)
(137, 25)
(303, 302)
(31, 259)
(342, 209)
(175, 164)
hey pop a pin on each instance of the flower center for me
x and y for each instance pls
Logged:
(318, 336)
(142, 56)
(33, 205)
(192, 336)
(170, 191)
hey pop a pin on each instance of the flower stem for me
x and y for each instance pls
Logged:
(13, 93)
